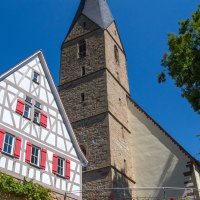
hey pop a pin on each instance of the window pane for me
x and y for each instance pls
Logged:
(27, 110)
(60, 166)
(8, 144)
(37, 104)
(36, 77)
(28, 99)
(35, 155)
(36, 117)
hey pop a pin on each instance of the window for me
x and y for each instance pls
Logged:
(82, 97)
(83, 71)
(84, 25)
(36, 77)
(83, 149)
(60, 169)
(8, 144)
(27, 111)
(36, 118)
(35, 155)
(82, 48)
(116, 54)
(38, 104)
(28, 99)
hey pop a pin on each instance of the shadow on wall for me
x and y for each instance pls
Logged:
(120, 181)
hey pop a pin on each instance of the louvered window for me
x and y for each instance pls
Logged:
(17, 147)
(43, 158)
(82, 48)
(116, 52)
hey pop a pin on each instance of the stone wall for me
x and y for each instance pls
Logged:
(101, 120)
(71, 64)
(118, 69)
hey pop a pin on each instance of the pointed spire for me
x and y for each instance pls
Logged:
(99, 12)
(96, 10)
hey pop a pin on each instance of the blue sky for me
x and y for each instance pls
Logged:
(30, 25)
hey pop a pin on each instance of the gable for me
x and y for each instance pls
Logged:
(17, 84)
(78, 28)
(114, 33)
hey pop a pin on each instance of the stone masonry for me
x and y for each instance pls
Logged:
(100, 122)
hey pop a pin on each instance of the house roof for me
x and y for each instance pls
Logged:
(97, 11)
(195, 161)
(52, 85)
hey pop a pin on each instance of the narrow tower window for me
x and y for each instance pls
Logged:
(83, 71)
(83, 149)
(116, 52)
(82, 48)
(82, 97)
(84, 25)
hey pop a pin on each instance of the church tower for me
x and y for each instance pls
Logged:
(94, 90)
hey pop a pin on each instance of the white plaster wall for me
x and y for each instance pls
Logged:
(55, 138)
(157, 161)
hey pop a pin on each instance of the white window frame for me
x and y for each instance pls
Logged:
(63, 174)
(36, 77)
(29, 112)
(39, 116)
(12, 145)
(38, 156)
(27, 99)
(38, 106)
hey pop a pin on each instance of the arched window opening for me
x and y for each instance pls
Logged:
(116, 52)
(82, 48)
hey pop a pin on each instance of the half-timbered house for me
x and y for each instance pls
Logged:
(36, 139)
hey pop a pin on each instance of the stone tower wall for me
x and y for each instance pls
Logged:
(100, 122)
(117, 69)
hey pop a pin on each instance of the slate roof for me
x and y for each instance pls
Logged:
(96, 10)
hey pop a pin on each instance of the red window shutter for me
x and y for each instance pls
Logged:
(55, 163)
(43, 158)
(17, 147)
(20, 107)
(2, 135)
(28, 152)
(68, 169)
(43, 120)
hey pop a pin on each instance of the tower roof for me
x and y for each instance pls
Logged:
(97, 11)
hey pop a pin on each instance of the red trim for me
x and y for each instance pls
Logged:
(2, 135)
(43, 158)
(28, 152)
(43, 120)
(55, 163)
(17, 147)
(20, 107)
(68, 169)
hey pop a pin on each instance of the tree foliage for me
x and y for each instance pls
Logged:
(182, 62)
(25, 190)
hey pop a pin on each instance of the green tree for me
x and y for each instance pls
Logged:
(182, 62)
